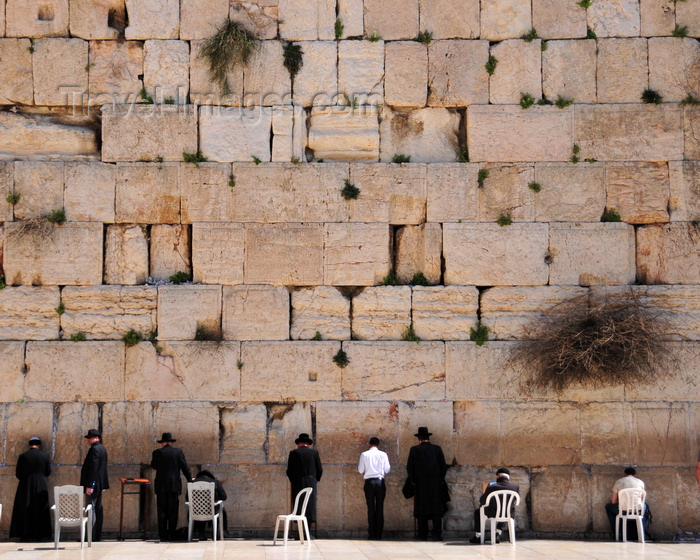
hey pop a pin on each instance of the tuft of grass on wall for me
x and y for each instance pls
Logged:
(349, 191)
(341, 359)
(610, 215)
(491, 64)
(231, 45)
(293, 59)
(651, 96)
(480, 334)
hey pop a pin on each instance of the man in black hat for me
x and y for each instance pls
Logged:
(31, 521)
(502, 483)
(93, 477)
(304, 470)
(427, 469)
(168, 462)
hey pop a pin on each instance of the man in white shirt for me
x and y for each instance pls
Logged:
(374, 466)
(630, 480)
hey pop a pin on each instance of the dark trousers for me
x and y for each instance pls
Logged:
(97, 514)
(375, 491)
(423, 526)
(168, 504)
(477, 522)
(613, 509)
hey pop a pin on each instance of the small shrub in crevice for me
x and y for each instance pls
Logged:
(691, 100)
(590, 34)
(317, 336)
(401, 158)
(339, 28)
(239, 365)
(651, 96)
(390, 279)
(57, 216)
(144, 97)
(585, 4)
(256, 160)
(180, 277)
(78, 336)
(374, 37)
(349, 191)
(680, 31)
(424, 37)
(491, 65)
(231, 45)
(575, 151)
(463, 154)
(480, 334)
(504, 220)
(153, 339)
(419, 279)
(61, 309)
(526, 100)
(530, 36)
(482, 176)
(341, 359)
(610, 215)
(563, 102)
(207, 333)
(2, 282)
(535, 187)
(293, 59)
(195, 158)
(132, 338)
(13, 198)
(410, 335)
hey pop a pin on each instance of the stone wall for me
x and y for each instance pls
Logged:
(286, 271)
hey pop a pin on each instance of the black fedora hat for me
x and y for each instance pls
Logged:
(423, 433)
(303, 438)
(93, 432)
(167, 438)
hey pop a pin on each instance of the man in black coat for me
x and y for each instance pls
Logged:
(93, 477)
(31, 520)
(502, 483)
(304, 470)
(219, 494)
(427, 469)
(168, 462)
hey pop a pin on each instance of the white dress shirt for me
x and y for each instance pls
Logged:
(374, 463)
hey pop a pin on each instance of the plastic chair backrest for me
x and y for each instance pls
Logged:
(306, 493)
(201, 498)
(504, 502)
(69, 504)
(631, 501)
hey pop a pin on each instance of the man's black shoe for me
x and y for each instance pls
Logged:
(475, 540)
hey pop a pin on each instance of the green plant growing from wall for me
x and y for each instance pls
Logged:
(526, 100)
(463, 154)
(410, 335)
(256, 160)
(491, 64)
(424, 37)
(480, 334)
(57, 216)
(530, 36)
(651, 96)
(239, 365)
(563, 102)
(374, 37)
(575, 151)
(293, 59)
(317, 336)
(504, 220)
(610, 215)
(419, 279)
(180, 277)
(61, 309)
(13, 198)
(691, 100)
(144, 97)
(339, 28)
(544, 45)
(535, 187)
(680, 31)
(89, 66)
(295, 160)
(390, 279)
(231, 45)
(590, 34)
(31, 47)
(153, 339)
(585, 4)
(169, 100)
(132, 338)
(195, 158)
(401, 158)
(78, 336)
(206, 333)
(481, 177)
(2, 282)
(341, 359)
(349, 191)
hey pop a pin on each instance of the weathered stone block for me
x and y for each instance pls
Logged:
(183, 309)
(67, 254)
(519, 70)
(570, 192)
(57, 371)
(509, 134)
(478, 433)
(505, 19)
(394, 370)
(265, 79)
(607, 432)
(629, 132)
(558, 19)
(153, 19)
(425, 135)
(193, 25)
(24, 420)
(244, 429)
(361, 70)
(686, 502)
(90, 19)
(323, 309)
(218, 253)
(505, 192)
(668, 254)
(194, 424)
(203, 90)
(616, 18)
(309, 372)
(691, 135)
(126, 255)
(108, 312)
(351, 13)
(36, 18)
(437, 416)
(678, 384)
(638, 191)
(284, 254)
(7, 172)
(586, 254)
(123, 432)
(490, 255)
(444, 312)
(406, 74)
(392, 19)
(452, 192)
(674, 67)
(44, 136)
(89, 191)
(235, 134)
(317, 80)
(287, 421)
(40, 186)
(419, 250)
(356, 254)
(170, 251)
(16, 67)
(156, 131)
(622, 70)
(255, 313)
(73, 420)
(688, 15)
(289, 134)
(206, 195)
(660, 433)
(381, 313)
(261, 18)
(340, 133)
(657, 17)
(562, 495)
(59, 68)
(456, 73)
(11, 369)
(115, 70)
(148, 194)
(315, 23)
(684, 203)
(447, 19)
(569, 70)
(166, 70)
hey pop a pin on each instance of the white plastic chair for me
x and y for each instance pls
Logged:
(69, 512)
(291, 517)
(631, 504)
(202, 507)
(505, 500)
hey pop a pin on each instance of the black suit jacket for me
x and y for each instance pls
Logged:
(502, 483)
(95, 468)
(168, 462)
(427, 469)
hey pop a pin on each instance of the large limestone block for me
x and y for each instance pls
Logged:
(89, 191)
(206, 195)
(629, 132)
(452, 191)
(169, 251)
(286, 422)
(392, 19)
(406, 74)
(59, 68)
(558, 19)
(657, 17)
(67, 254)
(456, 73)
(126, 255)
(688, 15)
(306, 19)
(351, 13)
(519, 70)
(569, 70)
(419, 250)
(284, 254)
(11, 369)
(691, 133)
(289, 371)
(517, 313)
(205, 91)
(444, 312)
(356, 254)
(606, 434)
(437, 416)
(123, 431)
(381, 313)
(447, 19)
(44, 136)
(28, 313)
(570, 192)
(7, 172)
(316, 82)
(478, 433)
(338, 133)
(586, 254)
(116, 70)
(156, 131)
(623, 71)
(684, 204)
(638, 191)
(235, 134)
(91, 19)
(289, 134)
(192, 23)
(244, 439)
(425, 135)
(24, 420)
(265, 79)
(561, 499)
(148, 194)
(183, 309)
(505, 192)
(166, 69)
(361, 71)
(660, 431)
(394, 370)
(153, 19)
(679, 382)
(491, 255)
(674, 67)
(668, 254)
(614, 18)
(507, 133)
(290, 193)
(194, 424)
(261, 18)
(505, 19)
(255, 313)
(108, 312)
(218, 253)
(323, 310)
(16, 71)
(40, 186)
(183, 371)
(59, 371)
(72, 422)
(686, 503)
(36, 18)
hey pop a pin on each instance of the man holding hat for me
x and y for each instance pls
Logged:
(502, 483)
(168, 462)
(374, 466)
(93, 477)
(31, 521)
(304, 470)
